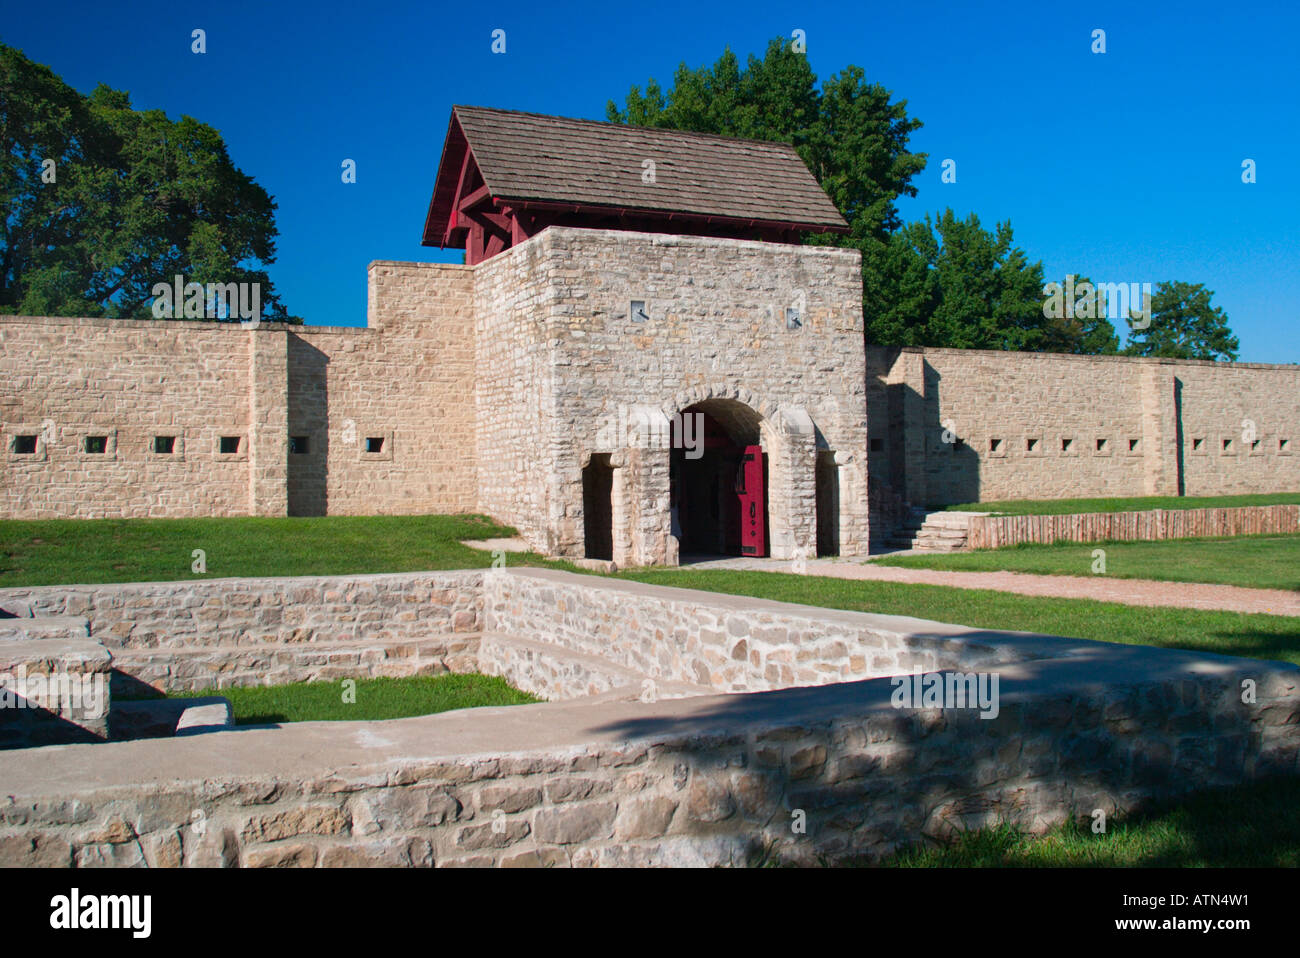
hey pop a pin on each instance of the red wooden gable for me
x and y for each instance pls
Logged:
(465, 213)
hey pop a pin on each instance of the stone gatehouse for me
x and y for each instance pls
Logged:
(637, 361)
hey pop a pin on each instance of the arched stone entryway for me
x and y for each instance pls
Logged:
(811, 483)
(718, 480)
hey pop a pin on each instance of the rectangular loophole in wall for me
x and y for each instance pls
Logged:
(1031, 445)
(1067, 445)
(995, 445)
(228, 445)
(1284, 446)
(1197, 444)
(1101, 445)
(374, 444)
(164, 445)
(1133, 445)
(1227, 447)
(24, 445)
(96, 445)
(298, 446)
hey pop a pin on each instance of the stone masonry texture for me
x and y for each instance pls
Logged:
(690, 778)
(490, 388)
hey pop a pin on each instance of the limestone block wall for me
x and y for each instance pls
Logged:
(64, 380)
(407, 379)
(730, 643)
(513, 393)
(1256, 409)
(221, 632)
(1044, 426)
(555, 315)
(695, 782)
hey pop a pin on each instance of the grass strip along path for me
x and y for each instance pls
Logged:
(1255, 562)
(1256, 636)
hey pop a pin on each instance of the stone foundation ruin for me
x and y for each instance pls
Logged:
(683, 727)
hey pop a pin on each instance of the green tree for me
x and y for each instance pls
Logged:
(851, 133)
(131, 199)
(1080, 324)
(961, 286)
(1184, 324)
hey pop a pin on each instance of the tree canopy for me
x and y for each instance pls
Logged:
(104, 201)
(1184, 324)
(945, 281)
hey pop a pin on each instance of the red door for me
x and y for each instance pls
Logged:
(753, 514)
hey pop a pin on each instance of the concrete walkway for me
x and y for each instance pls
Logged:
(1187, 595)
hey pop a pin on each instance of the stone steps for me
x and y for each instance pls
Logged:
(938, 531)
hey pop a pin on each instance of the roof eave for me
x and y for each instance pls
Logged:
(691, 215)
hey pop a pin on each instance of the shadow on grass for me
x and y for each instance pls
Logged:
(1255, 825)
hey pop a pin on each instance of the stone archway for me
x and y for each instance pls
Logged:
(788, 440)
(718, 480)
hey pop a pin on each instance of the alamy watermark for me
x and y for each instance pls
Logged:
(947, 690)
(640, 428)
(227, 301)
(1127, 301)
(75, 694)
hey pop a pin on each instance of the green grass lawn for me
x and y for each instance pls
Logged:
(1060, 507)
(58, 551)
(374, 698)
(1251, 826)
(1274, 637)
(1261, 562)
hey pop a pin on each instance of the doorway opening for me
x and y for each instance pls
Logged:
(598, 507)
(718, 481)
(828, 504)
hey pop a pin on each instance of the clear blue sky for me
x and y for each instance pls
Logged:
(1125, 166)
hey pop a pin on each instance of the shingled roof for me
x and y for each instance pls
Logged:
(529, 160)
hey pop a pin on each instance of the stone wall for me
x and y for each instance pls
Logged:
(407, 380)
(834, 771)
(491, 387)
(64, 380)
(1048, 426)
(217, 633)
(799, 776)
(512, 393)
(732, 643)
(565, 369)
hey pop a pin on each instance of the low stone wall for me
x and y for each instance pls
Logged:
(991, 532)
(802, 775)
(554, 673)
(732, 643)
(831, 771)
(217, 633)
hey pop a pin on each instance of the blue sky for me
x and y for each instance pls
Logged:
(1125, 166)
